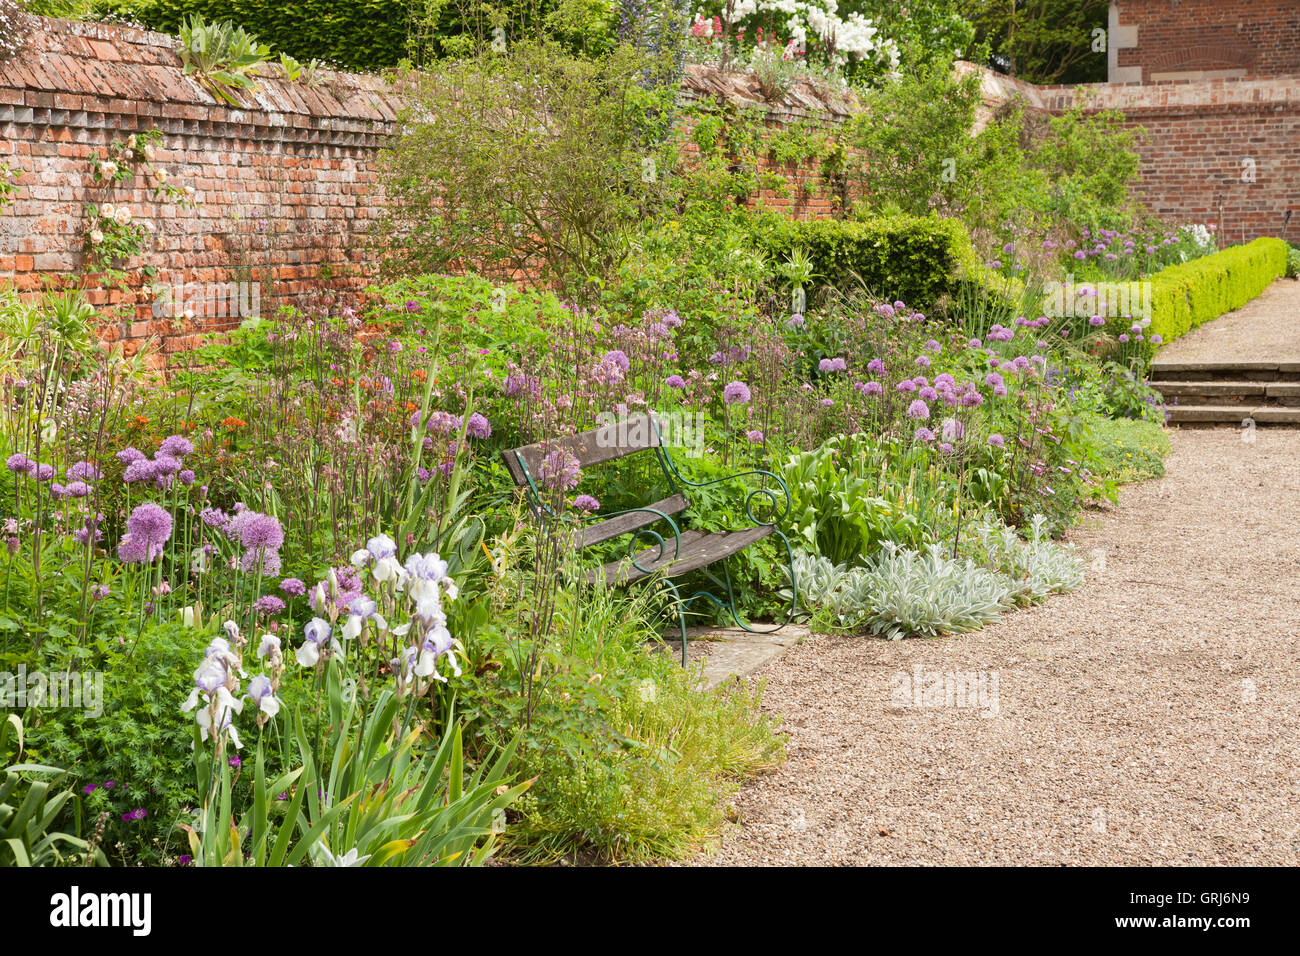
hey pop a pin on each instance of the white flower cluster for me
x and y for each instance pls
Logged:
(853, 36)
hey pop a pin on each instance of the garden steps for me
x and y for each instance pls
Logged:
(1208, 392)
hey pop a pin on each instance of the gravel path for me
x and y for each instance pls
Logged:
(1268, 326)
(1150, 718)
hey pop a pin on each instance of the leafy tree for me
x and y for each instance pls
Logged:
(1042, 41)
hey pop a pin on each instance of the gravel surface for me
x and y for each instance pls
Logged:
(1149, 718)
(1266, 327)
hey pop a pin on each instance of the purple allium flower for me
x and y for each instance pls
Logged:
(755, 436)
(1123, 337)
(214, 517)
(559, 471)
(999, 391)
(586, 503)
(952, 429)
(675, 381)
(993, 379)
(873, 388)
(1096, 320)
(923, 434)
(1156, 339)
(617, 357)
(927, 394)
(876, 367)
(151, 524)
(130, 454)
(918, 409)
(293, 587)
(827, 402)
(735, 393)
(260, 531)
(923, 361)
(944, 380)
(186, 477)
(176, 446)
(795, 321)
(972, 400)
(268, 604)
(45, 472)
(264, 560)
(139, 469)
(997, 441)
(974, 344)
(832, 365)
(933, 346)
(478, 426)
(76, 489)
(99, 592)
(133, 551)
(83, 471)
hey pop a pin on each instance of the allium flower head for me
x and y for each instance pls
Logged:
(478, 427)
(918, 409)
(559, 471)
(293, 587)
(736, 393)
(83, 471)
(675, 381)
(176, 446)
(586, 503)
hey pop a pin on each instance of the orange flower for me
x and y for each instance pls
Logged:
(419, 375)
(233, 423)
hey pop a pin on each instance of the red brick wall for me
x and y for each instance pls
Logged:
(1239, 37)
(286, 189)
(1214, 151)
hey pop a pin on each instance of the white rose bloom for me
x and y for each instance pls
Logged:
(96, 236)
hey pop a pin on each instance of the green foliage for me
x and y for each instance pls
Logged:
(373, 798)
(1130, 450)
(1036, 566)
(30, 807)
(916, 259)
(903, 593)
(531, 160)
(222, 56)
(1042, 41)
(1292, 262)
(1187, 295)
(358, 35)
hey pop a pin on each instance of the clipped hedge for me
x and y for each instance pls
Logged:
(920, 260)
(1189, 294)
(362, 35)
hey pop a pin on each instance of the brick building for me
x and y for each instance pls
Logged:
(1160, 41)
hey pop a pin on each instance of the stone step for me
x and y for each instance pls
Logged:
(1232, 415)
(1212, 393)
(1168, 370)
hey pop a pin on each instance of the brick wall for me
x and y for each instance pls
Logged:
(285, 185)
(1166, 40)
(1223, 151)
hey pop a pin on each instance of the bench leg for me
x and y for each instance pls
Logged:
(794, 592)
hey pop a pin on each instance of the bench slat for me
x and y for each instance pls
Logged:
(632, 434)
(698, 549)
(622, 524)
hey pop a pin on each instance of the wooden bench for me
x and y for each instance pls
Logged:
(666, 556)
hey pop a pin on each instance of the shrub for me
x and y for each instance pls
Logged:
(530, 160)
(1130, 450)
(1187, 295)
(918, 259)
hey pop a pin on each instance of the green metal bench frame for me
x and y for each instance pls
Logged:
(690, 550)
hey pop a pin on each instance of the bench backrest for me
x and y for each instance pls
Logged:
(627, 436)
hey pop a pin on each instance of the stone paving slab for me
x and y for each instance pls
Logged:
(735, 652)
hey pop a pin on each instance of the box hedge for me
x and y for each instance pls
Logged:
(919, 260)
(1186, 295)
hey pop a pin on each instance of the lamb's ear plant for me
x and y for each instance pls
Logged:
(27, 817)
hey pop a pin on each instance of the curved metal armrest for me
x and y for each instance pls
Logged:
(643, 529)
(779, 512)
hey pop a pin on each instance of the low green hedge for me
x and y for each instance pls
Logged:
(920, 260)
(1184, 296)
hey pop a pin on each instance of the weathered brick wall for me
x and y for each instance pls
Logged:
(1165, 40)
(285, 187)
(1224, 151)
